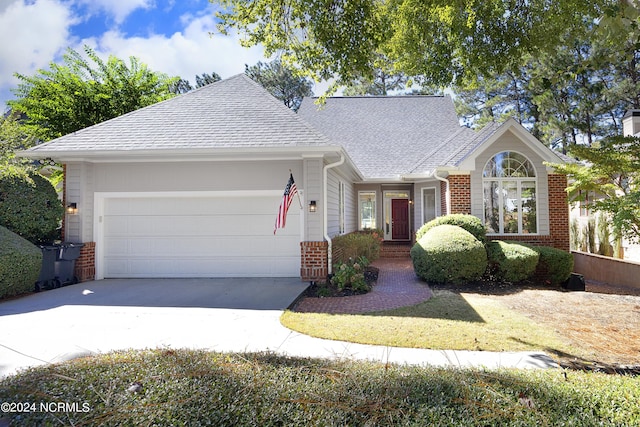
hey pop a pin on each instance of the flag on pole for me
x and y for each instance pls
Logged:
(289, 191)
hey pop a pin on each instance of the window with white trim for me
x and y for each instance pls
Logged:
(510, 196)
(367, 209)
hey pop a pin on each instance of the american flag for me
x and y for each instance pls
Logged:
(289, 191)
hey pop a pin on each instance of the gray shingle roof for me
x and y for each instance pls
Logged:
(391, 136)
(232, 113)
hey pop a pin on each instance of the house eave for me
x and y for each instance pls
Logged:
(181, 155)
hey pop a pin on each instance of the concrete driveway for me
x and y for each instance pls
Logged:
(212, 314)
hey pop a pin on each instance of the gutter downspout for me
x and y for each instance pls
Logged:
(447, 192)
(325, 219)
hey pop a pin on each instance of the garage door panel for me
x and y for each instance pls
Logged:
(199, 237)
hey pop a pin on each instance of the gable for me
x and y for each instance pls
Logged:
(509, 136)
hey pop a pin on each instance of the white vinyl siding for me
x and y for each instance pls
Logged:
(333, 205)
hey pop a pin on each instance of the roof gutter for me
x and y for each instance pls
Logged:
(325, 219)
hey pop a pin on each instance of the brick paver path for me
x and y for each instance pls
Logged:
(397, 286)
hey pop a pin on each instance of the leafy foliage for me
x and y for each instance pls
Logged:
(350, 275)
(511, 262)
(281, 81)
(441, 42)
(357, 244)
(572, 95)
(610, 169)
(192, 387)
(76, 94)
(470, 223)
(20, 263)
(13, 137)
(449, 254)
(29, 205)
(554, 265)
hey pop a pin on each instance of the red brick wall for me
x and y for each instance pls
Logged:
(85, 267)
(559, 211)
(558, 218)
(460, 188)
(313, 261)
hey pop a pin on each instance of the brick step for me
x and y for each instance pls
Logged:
(395, 250)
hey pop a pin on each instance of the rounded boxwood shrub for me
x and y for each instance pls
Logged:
(469, 222)
(29, 205)
(554, 266)
(511, 262)
(449, 254)
(20, 262)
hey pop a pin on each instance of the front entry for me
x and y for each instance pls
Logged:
(400, 219)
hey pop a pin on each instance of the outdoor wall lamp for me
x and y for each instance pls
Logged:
(72, 208)
(312, 206)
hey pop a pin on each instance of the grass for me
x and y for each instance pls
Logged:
(446, 321)
(182, 387)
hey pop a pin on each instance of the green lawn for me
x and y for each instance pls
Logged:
(446, 321)
(181, 387)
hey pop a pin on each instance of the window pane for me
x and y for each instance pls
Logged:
(510, 204)
(367, 210)
(529, 208)
(509, 165)
(491, 206)
(428, 204)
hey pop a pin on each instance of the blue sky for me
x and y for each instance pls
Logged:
(170, 36)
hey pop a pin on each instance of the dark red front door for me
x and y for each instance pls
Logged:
(400, 219)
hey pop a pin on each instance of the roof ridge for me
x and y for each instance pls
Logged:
(490, 129)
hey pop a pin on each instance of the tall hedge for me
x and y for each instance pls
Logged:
(449, 254)
(554, 266)
(20, 263)
(511, 262)
(29, 205)
(468, 222)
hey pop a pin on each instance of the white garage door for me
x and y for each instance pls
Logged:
(212, 236)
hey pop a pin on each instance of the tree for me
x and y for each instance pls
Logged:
(383, 80)
(13, 137)
(281, 82)
(611, 169)
(444, 41)
(206, 79)
(76, 94)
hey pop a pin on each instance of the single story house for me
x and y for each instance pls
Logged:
(190, 187)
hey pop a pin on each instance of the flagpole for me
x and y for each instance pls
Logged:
(297, 193)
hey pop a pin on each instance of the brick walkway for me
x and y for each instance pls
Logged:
(397, 286)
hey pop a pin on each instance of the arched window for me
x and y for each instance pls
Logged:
(510, 196)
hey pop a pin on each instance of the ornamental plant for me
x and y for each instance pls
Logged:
(29, 205)
(350, 275)
(449, 254)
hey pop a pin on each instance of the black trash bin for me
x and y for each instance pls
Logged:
(47, 278)
(66, 262)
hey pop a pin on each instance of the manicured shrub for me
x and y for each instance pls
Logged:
(20, 263)
(449, 254)
(357, 244)
(511, 262)
(469, 222)
(29, 205)
(554, 266)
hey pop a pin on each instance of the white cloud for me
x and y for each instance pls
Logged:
(116, 9)
(32, 34)
(186, 54)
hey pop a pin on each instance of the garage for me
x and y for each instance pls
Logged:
(195, 234)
